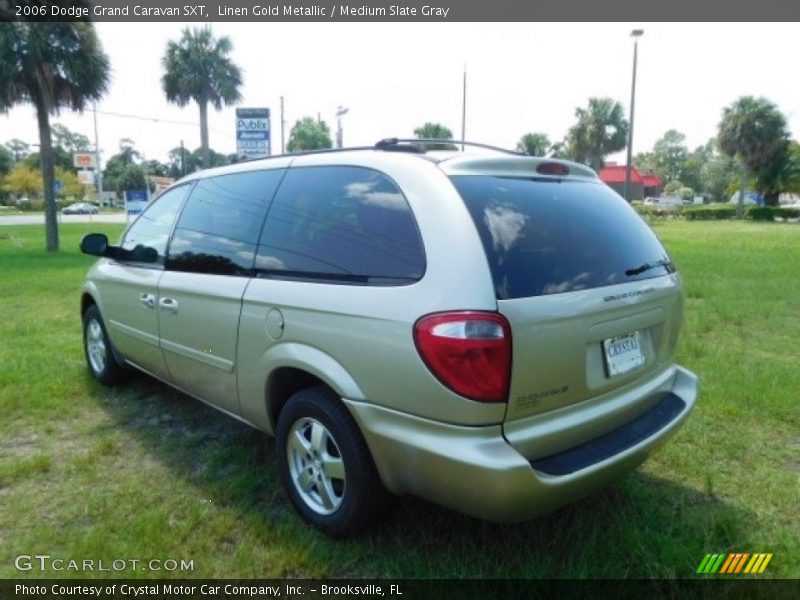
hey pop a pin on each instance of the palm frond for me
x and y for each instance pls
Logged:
(60, 62)
(198, 68)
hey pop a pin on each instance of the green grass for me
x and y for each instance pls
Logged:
(142, 471)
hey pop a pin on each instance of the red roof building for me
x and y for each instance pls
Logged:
(652, 180)
(641, 185)
(616, 174)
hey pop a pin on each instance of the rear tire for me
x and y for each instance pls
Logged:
(97, 348)
(325, 465)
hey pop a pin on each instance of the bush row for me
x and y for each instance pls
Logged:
(722, 211)
(702, 213)
(768, 213)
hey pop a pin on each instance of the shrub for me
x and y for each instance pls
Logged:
(654, 211)
(702, 213)
(728, 211)
(770, 213)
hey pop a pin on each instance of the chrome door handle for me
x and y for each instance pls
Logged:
(147, 300)
(169, 305)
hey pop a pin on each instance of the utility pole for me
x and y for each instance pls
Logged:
(146, 179)
(340, 112)
(98, 170)
(464, 109)
(283, 124)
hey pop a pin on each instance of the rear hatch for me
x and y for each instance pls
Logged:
(591, 296)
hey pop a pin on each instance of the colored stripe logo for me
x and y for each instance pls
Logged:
(734, 563)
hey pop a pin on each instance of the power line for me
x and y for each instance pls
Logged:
(158, 120)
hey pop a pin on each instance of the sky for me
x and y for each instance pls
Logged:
(393, 77)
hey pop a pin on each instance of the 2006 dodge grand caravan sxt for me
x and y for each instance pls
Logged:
(492, 332)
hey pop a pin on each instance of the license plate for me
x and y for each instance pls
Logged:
(623, 353)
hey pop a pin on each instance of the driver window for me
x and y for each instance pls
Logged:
(152, 228)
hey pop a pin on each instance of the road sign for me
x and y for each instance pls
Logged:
(57, 186)
(135, 202)
(252, 132)
(161, 183)
(84, 160)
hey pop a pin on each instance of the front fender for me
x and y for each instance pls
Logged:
(90, 289)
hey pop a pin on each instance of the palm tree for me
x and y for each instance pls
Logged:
(755, 131)
(601, 130)
(534, 144)
(52, 66)
(198, 68)
(434, 131)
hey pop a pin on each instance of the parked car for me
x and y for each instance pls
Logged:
(492, 332)
(665, 203)
(80, 208)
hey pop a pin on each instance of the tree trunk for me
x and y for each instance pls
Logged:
(772, 199)
(204, 133)
(46, 154)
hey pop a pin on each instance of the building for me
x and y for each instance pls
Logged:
(642, 186)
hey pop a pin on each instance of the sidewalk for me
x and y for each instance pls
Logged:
(39, 219)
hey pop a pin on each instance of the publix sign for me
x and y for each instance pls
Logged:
(252, 132)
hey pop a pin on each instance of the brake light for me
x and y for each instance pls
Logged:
(552, 168)
(469, 352)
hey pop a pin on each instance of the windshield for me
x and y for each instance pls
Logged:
(545, 236)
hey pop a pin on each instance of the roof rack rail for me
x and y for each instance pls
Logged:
(416, 145)
(412, 145)
(304, 152)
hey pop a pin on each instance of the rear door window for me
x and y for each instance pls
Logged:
(549, 237)
(219, 227)
(340, 224)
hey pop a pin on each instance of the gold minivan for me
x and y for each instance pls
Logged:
(495, 333)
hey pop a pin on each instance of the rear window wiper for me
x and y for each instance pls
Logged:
(664, 262)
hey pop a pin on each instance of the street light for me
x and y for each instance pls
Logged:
(340, 112)
(635, 34)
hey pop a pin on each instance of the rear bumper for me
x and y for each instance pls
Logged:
(475, 470)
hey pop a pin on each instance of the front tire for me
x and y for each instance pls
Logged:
(100, 357)
(325, 465)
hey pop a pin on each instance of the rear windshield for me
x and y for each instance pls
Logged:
(549, 237)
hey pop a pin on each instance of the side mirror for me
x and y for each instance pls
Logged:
(142, 253)
(95, 244)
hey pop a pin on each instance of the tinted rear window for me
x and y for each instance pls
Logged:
(549, 237)
(340, 224)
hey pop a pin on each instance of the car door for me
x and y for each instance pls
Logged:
(128, 285)
(208, 267)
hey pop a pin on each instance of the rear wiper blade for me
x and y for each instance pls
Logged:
(664, 262)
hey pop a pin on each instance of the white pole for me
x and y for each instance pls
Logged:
(464, 109)
(97, 166)
(283, 124)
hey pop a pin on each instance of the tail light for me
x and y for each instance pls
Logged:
(469, 352)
